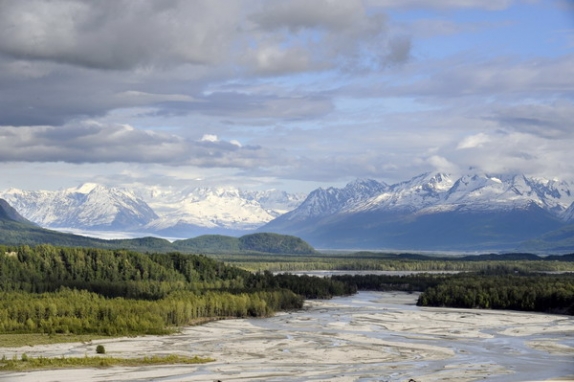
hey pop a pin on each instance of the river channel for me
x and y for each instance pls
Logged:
(371, 336)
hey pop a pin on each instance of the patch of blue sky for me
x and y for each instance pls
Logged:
(525, 29)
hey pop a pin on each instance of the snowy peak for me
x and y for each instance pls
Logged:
(430, 193)
(428, 182)
(510, 191)
(418, 192)
(432, 211)
(89, 206)
(87, 188)
(275, 202)
(323, 202)
(228, 208)
(166, 210)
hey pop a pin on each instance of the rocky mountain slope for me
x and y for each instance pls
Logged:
(431, 211)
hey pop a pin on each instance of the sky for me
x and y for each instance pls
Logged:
(285, 94)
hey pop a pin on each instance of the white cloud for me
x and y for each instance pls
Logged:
(473, 141)
(209, 138)
(310, 90)
(442, 164)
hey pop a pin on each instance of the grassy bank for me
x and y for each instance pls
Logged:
(26, 363)
(16, 340)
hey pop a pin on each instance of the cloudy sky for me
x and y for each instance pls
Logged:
(290, 94)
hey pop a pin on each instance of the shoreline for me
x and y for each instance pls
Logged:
(371, 336)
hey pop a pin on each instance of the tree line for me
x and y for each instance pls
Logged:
(48, 289)
(551, 293)
(367, 261)
(52, 289)
(488, 289)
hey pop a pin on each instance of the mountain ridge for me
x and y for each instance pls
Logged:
(433, 211)
(179, 213)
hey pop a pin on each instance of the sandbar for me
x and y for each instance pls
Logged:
(371, 336)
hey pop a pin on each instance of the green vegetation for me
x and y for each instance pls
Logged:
(275, 243)
(384, 283)
(209, 244)
(254, 243)
(499, 289)
(15, 340)
(515, 291)
(13, 232)
(29, 363)
(381, 261)
(59, 290)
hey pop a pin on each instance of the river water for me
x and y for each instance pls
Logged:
(371, 336)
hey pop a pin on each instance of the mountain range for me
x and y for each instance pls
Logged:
(428, 212)
(96, 209)
(432, 212)
(15, 230)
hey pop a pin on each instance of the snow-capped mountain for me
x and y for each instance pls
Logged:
(163, 211)
(430, 193)
(216, 210)
(89, 206)
(431, 211)
(324, 202)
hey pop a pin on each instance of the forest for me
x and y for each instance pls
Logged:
(65, 290)
(410, 262)
(47, 289)
(488, 289)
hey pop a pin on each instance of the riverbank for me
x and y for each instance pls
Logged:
(367, 337)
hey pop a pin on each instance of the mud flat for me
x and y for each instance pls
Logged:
(371, 336)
